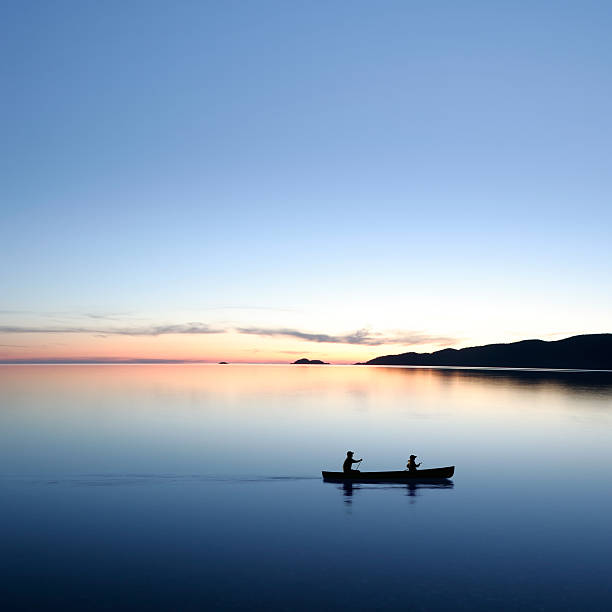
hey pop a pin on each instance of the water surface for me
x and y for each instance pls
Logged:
(194, 487)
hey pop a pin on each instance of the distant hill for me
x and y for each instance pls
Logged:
(305, 361)
(587, 352)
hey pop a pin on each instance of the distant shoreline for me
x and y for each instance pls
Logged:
(585, 352)
(333, 365)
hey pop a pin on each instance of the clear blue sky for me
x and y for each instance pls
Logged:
(440, 168)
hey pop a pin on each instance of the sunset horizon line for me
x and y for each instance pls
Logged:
(116, 360)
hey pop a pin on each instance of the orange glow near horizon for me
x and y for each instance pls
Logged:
(427, 388)
(230, 347)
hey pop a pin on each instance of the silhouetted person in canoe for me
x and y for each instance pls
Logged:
(348, 462)
(412, 465)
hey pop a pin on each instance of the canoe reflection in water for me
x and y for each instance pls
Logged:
(410, 479)
(411, 488)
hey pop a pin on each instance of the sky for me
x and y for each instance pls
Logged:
(262, 181)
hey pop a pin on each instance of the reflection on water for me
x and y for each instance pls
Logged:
(122, 480)
(572, 381)
(199, 487)
(411, 488)
(253, 420)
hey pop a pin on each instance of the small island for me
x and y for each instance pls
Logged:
(305, 361)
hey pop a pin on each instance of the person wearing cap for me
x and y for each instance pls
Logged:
(411, 465)
(348, 462)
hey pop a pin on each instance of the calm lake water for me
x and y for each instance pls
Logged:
(198, 487)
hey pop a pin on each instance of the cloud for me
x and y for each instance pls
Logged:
(247, 307)
(260, 331)
(64, 313)
(117, 316)
(158, 330)
(93, 360)
(363, 337)
(143, 330)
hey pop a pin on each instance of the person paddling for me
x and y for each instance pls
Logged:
(412, 465)
(348, 462)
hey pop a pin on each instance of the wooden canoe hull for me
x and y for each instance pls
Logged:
(397, 476)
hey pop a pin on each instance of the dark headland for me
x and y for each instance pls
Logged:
(305, 361)
(587, 352)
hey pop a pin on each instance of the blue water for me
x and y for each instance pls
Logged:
(198, 487)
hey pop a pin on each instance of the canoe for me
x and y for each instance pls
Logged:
(398, 476)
